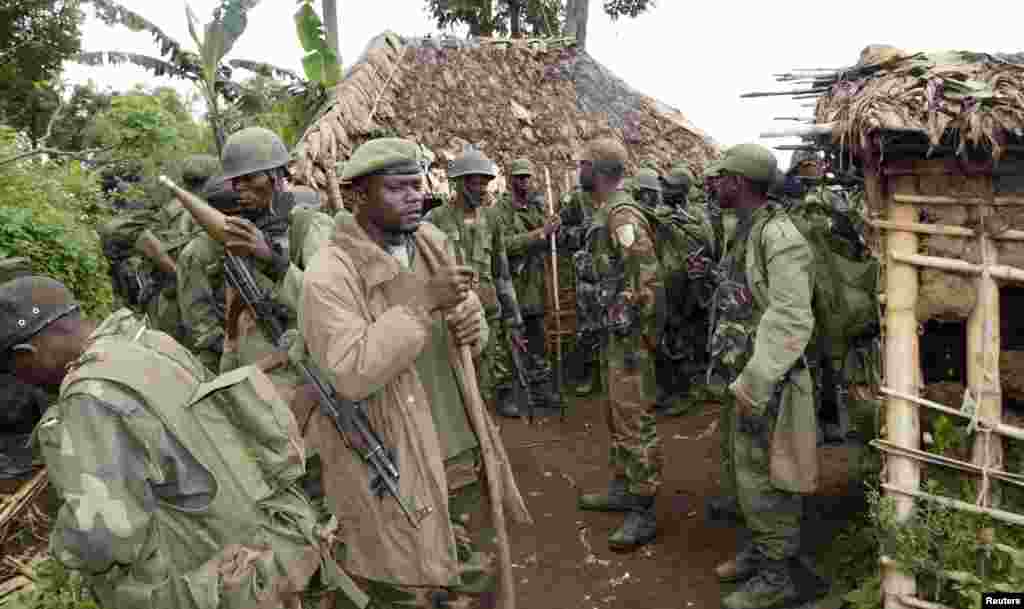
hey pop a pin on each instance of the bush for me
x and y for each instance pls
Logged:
(55, 588)
(48, 211)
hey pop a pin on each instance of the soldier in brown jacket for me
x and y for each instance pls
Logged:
(383, 312)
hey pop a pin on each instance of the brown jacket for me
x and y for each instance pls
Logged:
(367, 347)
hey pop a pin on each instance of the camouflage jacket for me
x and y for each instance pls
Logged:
(480, 243)
(526, 245)
(153, 509)
(202, 283)
(576, 210)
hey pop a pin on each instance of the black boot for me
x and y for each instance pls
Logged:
(505, 402)
(725, 508)
(615, 499)
(772, 586)
(639, 528)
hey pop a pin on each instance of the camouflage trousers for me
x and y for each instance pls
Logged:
(635, 445)
(773, 515)
(495, 366)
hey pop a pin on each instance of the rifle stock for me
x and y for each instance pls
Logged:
(213, 221)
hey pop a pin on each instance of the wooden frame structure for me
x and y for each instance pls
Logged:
(894, 194)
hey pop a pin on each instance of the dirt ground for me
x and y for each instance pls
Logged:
(563, 561)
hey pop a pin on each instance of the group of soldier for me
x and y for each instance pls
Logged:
(402, 313)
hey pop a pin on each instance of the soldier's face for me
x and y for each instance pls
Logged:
(40, 361)
(395, 202)
(255, 190)
(520, 185)
(725, 189)
(474, 186)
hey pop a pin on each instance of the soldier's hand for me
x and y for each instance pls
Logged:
(449, 287)
(466, 323)
(552, 224)
(515, 336)
(246, 239)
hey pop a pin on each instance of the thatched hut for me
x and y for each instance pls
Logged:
(535, 98)
(939, 142)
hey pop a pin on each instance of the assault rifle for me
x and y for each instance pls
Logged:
(348, 416)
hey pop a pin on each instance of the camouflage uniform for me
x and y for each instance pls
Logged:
(764, 324)
(155, 512)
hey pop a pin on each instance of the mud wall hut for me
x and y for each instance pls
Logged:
(938, 141)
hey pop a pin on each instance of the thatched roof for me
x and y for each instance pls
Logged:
(538, 99)
(960, 99)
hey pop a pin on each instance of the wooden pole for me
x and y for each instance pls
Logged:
(983, 346)
(903, 426)
(554, 283)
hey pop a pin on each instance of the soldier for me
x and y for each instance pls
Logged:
(252, 185)
(384, 311)
(478, 236)
(164, 502)
(576, 212)
(647, 188)
(142, 247)
(764, 324)
(529, 230)
(618, 278)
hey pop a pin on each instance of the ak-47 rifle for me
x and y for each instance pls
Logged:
(348, 416)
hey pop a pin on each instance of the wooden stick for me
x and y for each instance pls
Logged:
(964, 200)
(945, 229)
(778, 93)
(902, 418)
(1003, 515)
(554, 283)
(16, 503)
(1000, 428)
(934, 459)
(999, 271)
(479, 420)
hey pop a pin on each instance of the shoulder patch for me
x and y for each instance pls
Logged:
(626, 234)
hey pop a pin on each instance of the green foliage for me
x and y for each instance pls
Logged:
(55, 588)
(627, 8)
(48, 211)
(320, 63)
(541, 17)
(36, 36)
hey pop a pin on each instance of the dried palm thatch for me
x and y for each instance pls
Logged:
(538, 99)
(24, 530)
(975, 99)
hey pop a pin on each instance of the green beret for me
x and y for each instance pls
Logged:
(383, 156)
(752, 161)
(680, 177)
(28, 304)
(520, 167)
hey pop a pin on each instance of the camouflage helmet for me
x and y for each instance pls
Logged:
(253, 150)
(197, 169)
(752, 161)
(680, 177)
(648, 179)
(520, 167)
(11, 268)
(28, 304)
(385, 155)
(472, 161)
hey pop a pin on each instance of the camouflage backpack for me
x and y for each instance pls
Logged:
(846, 276)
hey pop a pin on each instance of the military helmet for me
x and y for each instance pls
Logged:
(11, 268)
(752, 161)
(253, 150)
(680, 177)
(472, 161)
(28, 304)
(648, 179)
(385, 155)
(520, 167)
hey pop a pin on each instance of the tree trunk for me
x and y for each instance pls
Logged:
(331, 24)
(576, 12)
(514, 10)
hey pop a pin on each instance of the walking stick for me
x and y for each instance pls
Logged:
(478, 418)
(554, 292)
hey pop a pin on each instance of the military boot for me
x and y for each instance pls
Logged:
(724, 507)
(739, 568)
(639, 528)
(770, 587)
(615, 499)
(505, 402)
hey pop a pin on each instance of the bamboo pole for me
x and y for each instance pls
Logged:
(1000, 428)
(554, 282)
(945, 229)
(801, 131)
(936, 459)
(999, 271)
(964, 200)
(916, 603)
(901, 362)
(983, 330)
(1003, 515)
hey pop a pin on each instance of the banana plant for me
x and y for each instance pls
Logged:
(320, 62)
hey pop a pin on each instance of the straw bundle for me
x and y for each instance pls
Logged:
(538, 99)
(976, 97)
